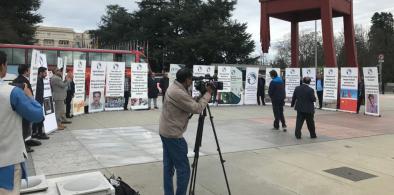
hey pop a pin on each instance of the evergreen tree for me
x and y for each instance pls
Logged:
(17, 20)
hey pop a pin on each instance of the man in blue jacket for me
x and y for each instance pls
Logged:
(277, 94)
(15, 104)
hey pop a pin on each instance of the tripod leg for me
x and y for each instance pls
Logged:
(197, 146)
(222, 161)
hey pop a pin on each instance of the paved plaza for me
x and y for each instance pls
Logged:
(259, 160)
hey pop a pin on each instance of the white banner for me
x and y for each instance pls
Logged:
(35, 64)
(97, 85)
(268, 80)
(311, 73)
(79, 68)
(139, 86)
(62, 63)
(330, 89)
(349, 87)
(173, 70)
(50, 123)
(293, 79)
(371, 83)
(224, 75)
(201, 71)
(114, 94)
(251, 85)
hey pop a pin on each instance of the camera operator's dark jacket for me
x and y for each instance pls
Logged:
(178, 104)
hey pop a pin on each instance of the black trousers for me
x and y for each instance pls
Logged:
(126, 99)
(68, 101)
(260, 97)
(320, 97)
(310, 122)
(278, 115)
(37, 128)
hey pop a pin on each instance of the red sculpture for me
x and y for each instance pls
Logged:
(296, 11)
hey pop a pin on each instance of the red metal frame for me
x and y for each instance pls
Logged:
(296, 11)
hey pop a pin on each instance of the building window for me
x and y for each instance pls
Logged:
(64, 42)
(49, 42)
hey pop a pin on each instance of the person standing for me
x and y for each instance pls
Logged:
(304, 101)
(360, 93)
(177, 107)
(59, 95)
(277, 94)
(23, 77)
(38, 127)
(164, 83)
(319, 89)
(153, 91)
(70, 94)
(127, 93)
(15, 104)
(261, 90)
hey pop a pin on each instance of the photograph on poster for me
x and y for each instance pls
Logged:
(48, 106)
(372, 104)
(96, 104)
(138, 102)
(114, 102)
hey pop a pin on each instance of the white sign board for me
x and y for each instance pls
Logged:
(330, 89)
(139, 86)
(224, 75)
(97, 86)
(371, 83)
(251, 83)
(79, 81)
(114, 93)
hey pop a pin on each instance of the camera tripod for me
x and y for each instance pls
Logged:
(197, 145)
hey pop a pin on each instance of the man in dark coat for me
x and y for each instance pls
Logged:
(37, 127)
(164, 83)
(360, 93)
(277, 94)
(304, 99)
(261, 90)
(70, 95)
(153, 91)
(23, 77)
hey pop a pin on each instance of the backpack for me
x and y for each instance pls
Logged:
(121, 188)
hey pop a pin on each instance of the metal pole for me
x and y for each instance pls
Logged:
(381, 78)
(316, 44)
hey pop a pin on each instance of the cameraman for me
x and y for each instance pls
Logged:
(178, 105)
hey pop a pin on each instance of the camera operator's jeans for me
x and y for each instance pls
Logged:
(175, 155)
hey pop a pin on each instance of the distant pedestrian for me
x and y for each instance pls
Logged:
(127, 93)
(261, 90)
(360, 93)
(153, 91)
(304, 101)
(319, 89)
(164, 83)
(277, 94)
(70, 94)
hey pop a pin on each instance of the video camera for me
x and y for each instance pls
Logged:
(201, 82)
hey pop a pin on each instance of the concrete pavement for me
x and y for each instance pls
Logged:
(259, 160)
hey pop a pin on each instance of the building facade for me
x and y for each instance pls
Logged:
(62, 37)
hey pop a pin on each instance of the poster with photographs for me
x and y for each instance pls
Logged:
(268, 80)
(139, 86)
(201, 71)
(236, 94)
(330, 89)
(97, 86)
(78, 102)
(371, 84)
(251, 82)
(114, 93)
(293, 78)
(173, 70)
(349, 86)
(50, 123)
